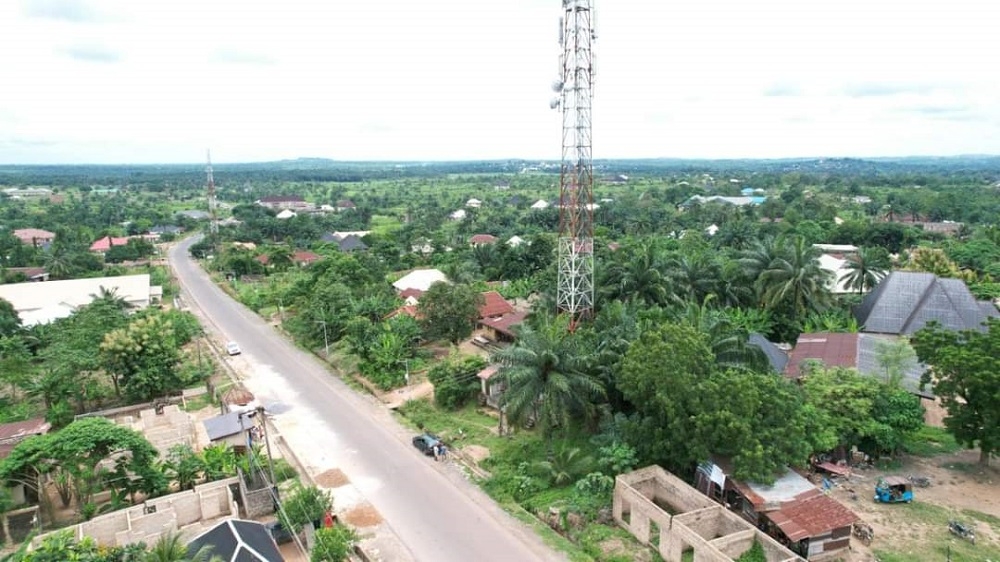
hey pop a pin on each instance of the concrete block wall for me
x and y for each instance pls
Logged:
(104, 527)
(133, 524)
(712, 532)
(258, 503)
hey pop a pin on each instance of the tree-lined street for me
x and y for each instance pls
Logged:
(437, 518)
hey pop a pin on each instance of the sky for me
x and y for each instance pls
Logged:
(154, 81)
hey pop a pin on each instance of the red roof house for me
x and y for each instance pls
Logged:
(480, 239)
(34, 236)
(105, 244)
(304, 258)
(410, 292)
(13, 433)
(494, 305)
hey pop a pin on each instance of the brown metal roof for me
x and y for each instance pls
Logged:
(811, 514)
(833, 349)
(505, 323)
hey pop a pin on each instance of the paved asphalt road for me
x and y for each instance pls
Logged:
(434, 517)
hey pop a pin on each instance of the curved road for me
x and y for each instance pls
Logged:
(437, 516)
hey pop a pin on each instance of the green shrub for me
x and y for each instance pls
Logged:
(333, 544)
(283, 470)
(303, 506)
(455, 381)
(754, 554)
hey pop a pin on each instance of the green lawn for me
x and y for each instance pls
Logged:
(930, 442)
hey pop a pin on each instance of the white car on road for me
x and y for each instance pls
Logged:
(233, 348)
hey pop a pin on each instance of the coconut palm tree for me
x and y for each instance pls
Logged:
(865, 269)
(546, 378)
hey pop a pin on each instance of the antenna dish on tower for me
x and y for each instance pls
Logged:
(557, 86)
(554, 103)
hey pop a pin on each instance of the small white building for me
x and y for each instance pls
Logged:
(286, 214)
(540, 204)
(473, 203)
(458, 215)
(420, 279)
(515, 241)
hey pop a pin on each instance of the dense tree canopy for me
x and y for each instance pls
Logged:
(965, 374)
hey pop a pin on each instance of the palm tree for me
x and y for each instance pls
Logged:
(729, 343)
(795, 279)
(693, 277)
(637, 277)
(58, 264)
(546, 378)
(865, 269)
(170, 548)
(111, 297)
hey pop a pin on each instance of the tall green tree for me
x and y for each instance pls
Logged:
(75, 454)
(547, 381)
(965, 374)
(659, 377)
(10, 322)
(449, 311)
(142, 358)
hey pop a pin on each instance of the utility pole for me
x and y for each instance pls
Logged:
(267, 443)
(326, 340)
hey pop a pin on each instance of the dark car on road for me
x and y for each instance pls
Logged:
(425, 443)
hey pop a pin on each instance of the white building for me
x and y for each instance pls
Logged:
(420, 279)
(540, 204)
(42, 303)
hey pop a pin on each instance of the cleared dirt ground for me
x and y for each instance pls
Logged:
(919, 531)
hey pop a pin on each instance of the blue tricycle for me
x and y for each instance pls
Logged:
(893, 489)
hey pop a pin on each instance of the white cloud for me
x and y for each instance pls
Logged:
(453, 79)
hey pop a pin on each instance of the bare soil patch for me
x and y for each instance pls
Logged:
(362, 516)
(477, 453)
(333, 478)
(957, 485)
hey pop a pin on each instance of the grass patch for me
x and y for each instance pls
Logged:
(382, 225)
(963, 467)
(198, 402)
(991, 520)
(549, 536)
(931, 441)
(942, 546)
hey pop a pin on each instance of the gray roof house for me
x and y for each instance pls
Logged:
(235, 540)
(855, 351)
(230, 428)
(351, 243)
(905, 301)
(776, 356)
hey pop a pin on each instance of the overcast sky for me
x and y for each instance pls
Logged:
(146, 81)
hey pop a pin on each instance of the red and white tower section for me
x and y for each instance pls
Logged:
(575, 294)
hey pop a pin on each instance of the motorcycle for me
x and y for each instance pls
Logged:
(962, 530)
(864, 532)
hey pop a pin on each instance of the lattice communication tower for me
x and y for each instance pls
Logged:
(213, 204)
(575, 292)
